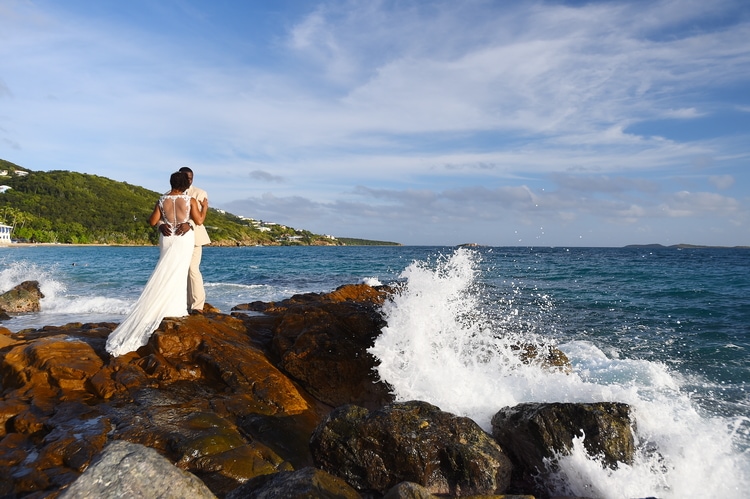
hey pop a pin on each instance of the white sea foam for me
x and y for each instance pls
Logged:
(59, 305)
(439, 346)
(371, 281)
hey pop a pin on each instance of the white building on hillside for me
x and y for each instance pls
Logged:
(5, 231)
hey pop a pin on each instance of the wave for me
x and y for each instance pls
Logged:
(442, 345)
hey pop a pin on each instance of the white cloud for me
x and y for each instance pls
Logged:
(721, 181)
(684, 113)
(685, 203)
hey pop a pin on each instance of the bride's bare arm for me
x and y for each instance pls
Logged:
(155, 215)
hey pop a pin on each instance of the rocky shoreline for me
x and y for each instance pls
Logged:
(274, 400)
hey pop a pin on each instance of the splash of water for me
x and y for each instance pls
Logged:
(440, 346)
(60, 303)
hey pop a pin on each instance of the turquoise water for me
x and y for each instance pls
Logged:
(665, 330)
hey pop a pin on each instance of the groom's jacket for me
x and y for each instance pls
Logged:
(201, 236)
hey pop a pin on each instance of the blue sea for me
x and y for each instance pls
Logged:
(666, 330)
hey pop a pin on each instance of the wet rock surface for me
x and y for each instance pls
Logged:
(232, 400)
(414, 442)
(305, 483)
(22, 298)
(533, 432)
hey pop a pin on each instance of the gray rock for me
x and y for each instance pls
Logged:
(533, 432)
(126, 470)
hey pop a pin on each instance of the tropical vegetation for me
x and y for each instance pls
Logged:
(77, 208)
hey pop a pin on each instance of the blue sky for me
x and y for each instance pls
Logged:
(540, 123)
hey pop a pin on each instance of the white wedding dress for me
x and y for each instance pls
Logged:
(165, 294)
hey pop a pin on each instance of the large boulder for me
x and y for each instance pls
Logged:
(411, 441)
(22, 298)
(534, 432)
(125, 469)
(322, 342)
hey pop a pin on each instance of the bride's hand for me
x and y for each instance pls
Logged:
(165, 230)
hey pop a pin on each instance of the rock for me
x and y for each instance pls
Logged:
(322, 341)
(408, 490)
(57, 363)
(411, 441)
(6, 335)
(198, 348)
(205, 392)
(531, 432)
(305, 483)
(64, 397)
(125, 469)
(545, 356)
(22, 298)
(234, 400)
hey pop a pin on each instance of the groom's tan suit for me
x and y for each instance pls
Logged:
(196, 294)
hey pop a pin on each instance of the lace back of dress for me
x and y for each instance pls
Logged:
(175, 209)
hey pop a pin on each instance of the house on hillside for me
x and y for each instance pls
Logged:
(21, 173)
(4, 189)
(5, 231)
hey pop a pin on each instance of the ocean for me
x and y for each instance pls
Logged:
(665, 330)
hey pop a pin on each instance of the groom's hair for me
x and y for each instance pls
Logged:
(179, 181)
(185, 169)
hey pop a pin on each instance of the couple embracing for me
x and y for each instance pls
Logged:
(176, 285)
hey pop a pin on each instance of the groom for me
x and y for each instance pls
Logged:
(196, 294)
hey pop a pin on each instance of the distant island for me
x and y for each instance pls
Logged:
(682, 246)
(63, 207)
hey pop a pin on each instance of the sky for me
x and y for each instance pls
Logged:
(441, 122)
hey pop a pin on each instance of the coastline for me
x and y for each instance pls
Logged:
(466, 245)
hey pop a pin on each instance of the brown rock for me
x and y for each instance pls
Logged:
(22, 298)
(181, 394)
(56, 362)
(6, 335)
(200, 348)
(545, 356)
(10, 409)
(321, 340)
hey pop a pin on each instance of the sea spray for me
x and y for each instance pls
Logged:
(62, 303)
(15, 273)
(441, 345)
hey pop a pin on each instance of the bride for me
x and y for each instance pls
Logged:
(165, 294)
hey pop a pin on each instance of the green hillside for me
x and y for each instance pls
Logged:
(77, 208)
